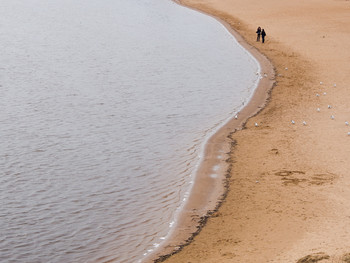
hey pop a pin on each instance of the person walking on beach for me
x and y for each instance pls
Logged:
(258, 32)
(263, 34)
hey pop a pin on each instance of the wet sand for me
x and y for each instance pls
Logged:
(288, 185)
(211, 183)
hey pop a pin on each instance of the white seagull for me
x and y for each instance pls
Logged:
(317, 95)
(334, 85)
(324, 93)
(293, 122)
(256, 124)
(349, 133)
(321, 82)
(304, 123)
(332, 117)
(236, 116)
(347, 123)
(318, 109)
(329, 106)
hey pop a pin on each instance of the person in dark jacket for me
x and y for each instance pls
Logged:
(258, 32)
(263, 34)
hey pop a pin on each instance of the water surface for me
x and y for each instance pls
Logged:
(104, 108)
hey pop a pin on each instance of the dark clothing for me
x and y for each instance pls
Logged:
(263, 34)
(258, 32)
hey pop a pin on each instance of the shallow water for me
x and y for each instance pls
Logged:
(104, 108)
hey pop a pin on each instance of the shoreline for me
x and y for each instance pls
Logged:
(201, 206)
(289, 185)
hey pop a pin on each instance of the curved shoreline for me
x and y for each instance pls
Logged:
(201, 206)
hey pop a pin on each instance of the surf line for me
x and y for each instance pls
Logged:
(207, 192)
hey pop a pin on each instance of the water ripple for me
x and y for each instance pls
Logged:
(101, 129)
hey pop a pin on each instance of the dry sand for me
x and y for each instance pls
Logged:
(289, 186)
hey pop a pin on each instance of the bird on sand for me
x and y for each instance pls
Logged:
(304, 123)
(347, 123)
(318, 109)
(256, 124)
(332, 117)
(329, 106)
(293, 122)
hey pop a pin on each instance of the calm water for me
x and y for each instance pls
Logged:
(104, 109)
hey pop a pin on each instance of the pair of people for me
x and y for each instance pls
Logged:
(260, 32)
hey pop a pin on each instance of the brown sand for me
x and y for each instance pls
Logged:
(289, 186)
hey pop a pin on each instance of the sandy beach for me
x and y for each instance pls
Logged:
(288, 184)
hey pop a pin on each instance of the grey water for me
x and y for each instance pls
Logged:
(104, 109)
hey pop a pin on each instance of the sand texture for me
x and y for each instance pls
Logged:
(289, 184)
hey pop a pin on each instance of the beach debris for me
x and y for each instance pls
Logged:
(321, 83)
(318, 109)
(256, 181)
(317, 95)
(329, 106)
(304, 123)
(347, 123)
(256, 124)
(286, 68)
(324, 93)
(332, 117)
(236, 116)
(334, 85)
(346, 257)
(349, 133)
(265, 75)
(315, 257)
(293, 122)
